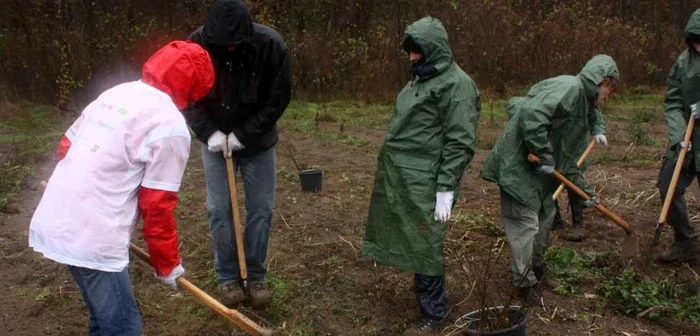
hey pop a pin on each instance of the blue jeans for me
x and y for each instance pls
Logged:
(259, 173)
(110, 302)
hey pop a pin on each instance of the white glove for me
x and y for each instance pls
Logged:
(169, 279)
(443, 205)
(593, 201)
(601, 139)
(545, 169)
(217, 142)
(690, 145)
(233, 143)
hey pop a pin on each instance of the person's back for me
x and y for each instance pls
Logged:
(123, 157)
(91, 200)
(555, 95)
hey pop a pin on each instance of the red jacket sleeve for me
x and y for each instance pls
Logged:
(157, 208)
(63, 147)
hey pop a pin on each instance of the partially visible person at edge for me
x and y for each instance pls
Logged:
(552, 121)
(251, 92)
(682, 90)
(124, 156)
(430, 142)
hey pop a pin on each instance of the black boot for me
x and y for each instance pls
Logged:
(684, 251)
(529, 296)
(558, 223)
(425, 326)
(542, 276)
(575, 233)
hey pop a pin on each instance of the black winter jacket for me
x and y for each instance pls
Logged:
(252, 87)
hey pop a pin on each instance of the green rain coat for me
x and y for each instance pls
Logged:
(552, 122)
(430, 142)
(682, 90)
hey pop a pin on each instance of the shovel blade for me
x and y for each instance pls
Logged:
(630, 246)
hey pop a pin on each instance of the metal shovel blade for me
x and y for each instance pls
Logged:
(630, 245)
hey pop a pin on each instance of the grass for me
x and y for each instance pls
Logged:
(306, 118)
(29, 130)
(348, 113)
(280, 290)
(477, 221)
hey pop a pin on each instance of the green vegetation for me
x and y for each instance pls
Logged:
(634, 293)
(571, 268)
(477, 221)
(626, 290)
(27, 130)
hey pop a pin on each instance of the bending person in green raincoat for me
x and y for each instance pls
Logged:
(552, 121)
(682, 90)
(430, 142)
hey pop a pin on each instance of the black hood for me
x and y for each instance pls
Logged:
(228, 23)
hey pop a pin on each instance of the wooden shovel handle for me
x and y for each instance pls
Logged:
(614, 217)
(677, 171)
(238, 319)
(237, 228)
(580, 161)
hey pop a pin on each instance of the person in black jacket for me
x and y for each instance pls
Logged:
(239, 115)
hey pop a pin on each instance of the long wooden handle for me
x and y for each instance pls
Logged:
(677, 171)
(580, 162)
(237, 228)
(614, 217)
(238, 319)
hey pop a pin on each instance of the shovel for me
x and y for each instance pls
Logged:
(671, 188)
(237, 228)
(580, 161)
(630, 247)
(238, 319)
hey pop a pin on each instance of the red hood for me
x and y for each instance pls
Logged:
(181, 69)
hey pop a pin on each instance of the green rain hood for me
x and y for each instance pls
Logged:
(683, 90)
(553, 122)
(430, 142)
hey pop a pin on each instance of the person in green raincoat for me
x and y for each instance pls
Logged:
(431, 141)
(577, 233)
(682, 90)
(552, 121)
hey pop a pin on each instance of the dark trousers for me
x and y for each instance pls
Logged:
(258, 172)
(576, 208)
(432, 295)
(683, 228)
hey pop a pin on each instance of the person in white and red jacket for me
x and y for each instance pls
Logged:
(124, 156)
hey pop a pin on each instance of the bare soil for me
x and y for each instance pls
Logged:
(329, 289)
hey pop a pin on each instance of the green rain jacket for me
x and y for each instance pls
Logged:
(683, 90)
(430, 142)
(552, 122)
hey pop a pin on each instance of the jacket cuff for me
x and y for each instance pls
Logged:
(445, 187)
(239, 135)
(205, 134)
(157, 208)
(63, 147)
(547, 160)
